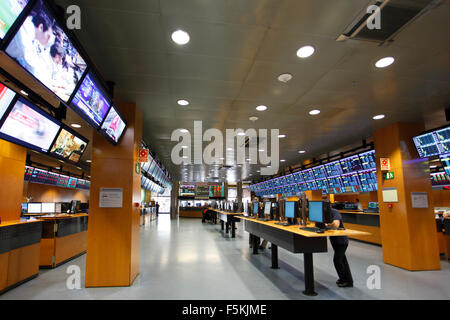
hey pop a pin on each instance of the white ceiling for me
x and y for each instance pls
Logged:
(237, 50)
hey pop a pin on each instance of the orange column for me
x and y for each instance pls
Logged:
(408, 234)
(314, 195)
(113, 233)
(12, 171)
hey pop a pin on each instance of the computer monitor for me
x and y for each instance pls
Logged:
(255, 208)
(290, 209)
(267, 208)
(74, 205)
(58, 207)
(24, 208)
(319, 212)
(373, 205)
(34, 208)
(48, 207)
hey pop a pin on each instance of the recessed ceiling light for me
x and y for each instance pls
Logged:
(180, 37)
(314, 112)
(183, 102)
(75, 125)
(384, 62)
(230, 149)
(241, 133)
(378, 117)
(184, 147)
(88, 161)
(282, 136)
(282, 160)
(24, 93)
(79, 168)
(248, 159)
(302, 151)
(305, 52)
(261, 150)
(261, 108)
(253, 118)
(184, 131)
(285, 77)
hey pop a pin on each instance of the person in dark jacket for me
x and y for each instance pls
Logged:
(340, 245)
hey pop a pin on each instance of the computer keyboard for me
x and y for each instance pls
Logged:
(263, 219)
(311, 229)
(284, 224)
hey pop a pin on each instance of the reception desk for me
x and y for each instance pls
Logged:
(191, 212)
(19, 252)
(365, 222)
(64, 237)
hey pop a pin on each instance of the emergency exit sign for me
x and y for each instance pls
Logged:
(388, 175)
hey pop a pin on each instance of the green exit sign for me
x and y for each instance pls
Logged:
(388, 175)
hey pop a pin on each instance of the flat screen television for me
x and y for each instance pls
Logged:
(42, 47)
(62, 180)
(445, 160)
(9, 12)
(52, 178)
(6, 97)
(69, 145)
(29, 126)
(72, 183)
(28, 173)
(90, 102)
(114, 125)
(34, 208)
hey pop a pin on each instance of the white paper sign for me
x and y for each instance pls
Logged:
(390, 195)
(419, 199)
(111, 197)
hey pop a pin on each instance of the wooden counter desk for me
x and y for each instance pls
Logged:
(64, 237)
(19, 252)
(295, 240)
(363, 221)
(229, 219)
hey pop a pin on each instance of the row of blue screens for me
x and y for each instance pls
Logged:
(315, 210)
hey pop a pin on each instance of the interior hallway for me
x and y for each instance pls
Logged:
(185, 259)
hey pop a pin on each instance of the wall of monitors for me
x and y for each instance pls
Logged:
(9, 12)
(433, 143)
(352, 174)
(440, 179)
(445, 160)
(41, 176)
(69, 145)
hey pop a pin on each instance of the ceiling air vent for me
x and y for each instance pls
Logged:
(394, 16)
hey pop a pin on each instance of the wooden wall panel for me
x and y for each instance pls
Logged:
(70, 246)
(45, 193)
(375, 233)
(23, 263)
(4, 259)
(12, 171)
(47, 251)
(441, 198)
(113, 237)
(364, 198)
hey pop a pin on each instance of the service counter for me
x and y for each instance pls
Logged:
(19, 252)
(191, 212)
(447, 236)
(365, 222)
(64, 237)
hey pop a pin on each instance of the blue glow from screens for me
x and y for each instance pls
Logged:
(289, 209)
(316, 211)
(267, 206)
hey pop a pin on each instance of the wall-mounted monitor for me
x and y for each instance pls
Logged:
(72, 183)
(52, 178)
(445, 160)
(62, 180)
(114, 125)
(433, 143)
(351, 164)
(6, 97)
(28, 173)
(69, 145)
(9, 12)
(29, 126)
(368, 160)
(43, 49)
(90, 101)
(440, 179)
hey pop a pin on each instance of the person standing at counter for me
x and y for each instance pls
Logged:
(340, 245)
(359, 204)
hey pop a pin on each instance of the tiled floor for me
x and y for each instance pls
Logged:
(185, 259)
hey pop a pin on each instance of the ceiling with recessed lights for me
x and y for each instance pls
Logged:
(235, 54)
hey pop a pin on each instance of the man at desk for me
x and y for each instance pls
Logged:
(340, 245)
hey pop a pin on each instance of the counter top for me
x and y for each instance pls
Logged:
(296, 229)
(359, 212)
(17, 222)
(62, 216)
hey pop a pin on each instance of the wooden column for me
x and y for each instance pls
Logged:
(239, 196)
(408, 234)
(113, 233)
(12, 171)
(314, 195)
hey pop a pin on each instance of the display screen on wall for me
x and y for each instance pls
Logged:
(28, 173)
(69, 146)
(63, 180)
(90, 102)
(43, 49)
(445, 160)
(29, 126)
(433, 143)
(113, 126)
(52, 178)
(72, 183)
(6, 97)
(440, 179)
(368, 160)
(39, 176)
(351, 164)
(9, 12)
